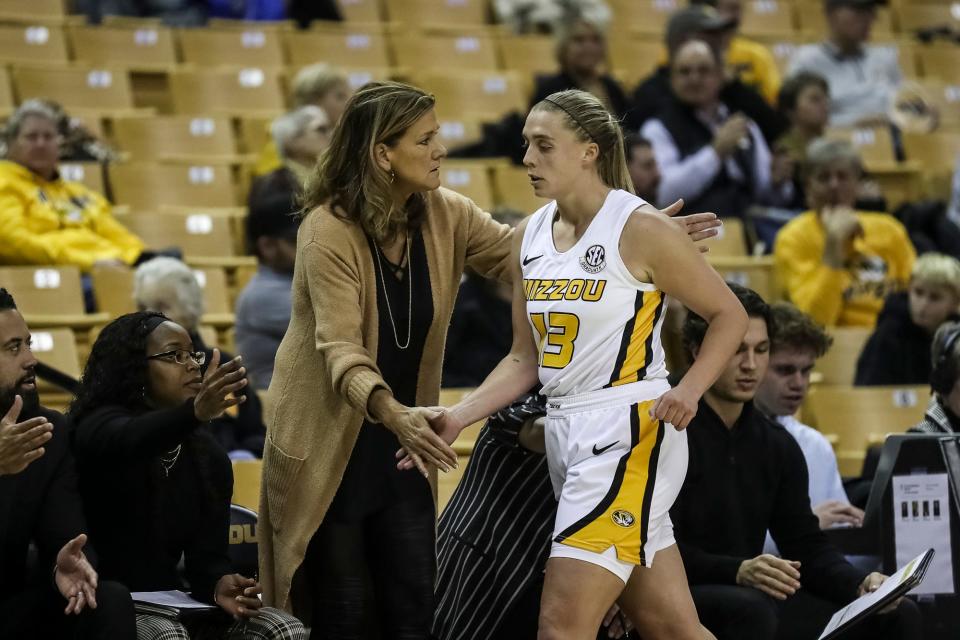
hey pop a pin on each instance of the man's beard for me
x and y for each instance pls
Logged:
(31, 399)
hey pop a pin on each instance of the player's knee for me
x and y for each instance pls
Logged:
(672, 628)
(556, 623)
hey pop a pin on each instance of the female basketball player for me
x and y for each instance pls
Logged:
(592, 270)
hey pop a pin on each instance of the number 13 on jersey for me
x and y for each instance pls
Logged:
(557, 333)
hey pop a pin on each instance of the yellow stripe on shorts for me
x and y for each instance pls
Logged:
(621, 518)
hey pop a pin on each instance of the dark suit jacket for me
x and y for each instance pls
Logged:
(41, 504)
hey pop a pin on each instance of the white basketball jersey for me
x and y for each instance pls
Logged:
(595, 324)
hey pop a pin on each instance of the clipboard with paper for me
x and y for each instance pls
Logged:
(895, 586)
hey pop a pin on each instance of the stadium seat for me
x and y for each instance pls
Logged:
(50, 296)
(839, 365)
(146, 186)
(730, 241)
(875, 146)
(56, 348)
(915, 15)
(254, 131)
(945, 97)
(360, 10)
(456, 13)
(248, 47)
(767, 18)
(633, 59)
(528, 53)
(756, 272)
(863, 415)
(106, 89)
(937, 151)
(812, 21)
(462, 50)
(33, 43)
(196, 235)
(113, 289)
(243, 540)
(7, 103)
(144, 48)
(940, 62)
(183, 138)
(475, 95)
(246, 483)
(783, 50)
(457, 132)
(648, 17)
(87, 173)
(250, 91)
(344, 46)
(470, 178)
(512, 189)
(48, 11)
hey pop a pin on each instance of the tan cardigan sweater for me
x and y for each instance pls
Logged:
(326, 367)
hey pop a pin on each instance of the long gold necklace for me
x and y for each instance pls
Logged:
(386, 296)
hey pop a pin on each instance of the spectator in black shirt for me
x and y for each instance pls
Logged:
(581, 54)
(643, 167)
(746, 475)
(56, 595)
(703, 23)
(156, 487)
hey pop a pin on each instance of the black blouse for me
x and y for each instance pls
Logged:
(144, 513)
(372, 480)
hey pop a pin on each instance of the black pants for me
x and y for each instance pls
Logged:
(37, 614)
(744, 613)
(374, 578)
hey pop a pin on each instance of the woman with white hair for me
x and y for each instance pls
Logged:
(168, 286)
(299, 136)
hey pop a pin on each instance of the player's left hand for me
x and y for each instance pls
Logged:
(444, 425)
(677, 406)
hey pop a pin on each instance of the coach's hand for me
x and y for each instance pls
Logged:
(417, 437)
(776, 577)
(447, 428)
(677, 406)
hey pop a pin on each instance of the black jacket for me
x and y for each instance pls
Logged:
(898, 352)
(41, 504)
(740, 483)
(144, 518)
(653, 96)
(547, 84)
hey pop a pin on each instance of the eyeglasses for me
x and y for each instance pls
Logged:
(181, 356)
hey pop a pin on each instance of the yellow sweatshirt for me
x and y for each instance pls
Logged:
(880, 264)
(754, 65)
(58, 222)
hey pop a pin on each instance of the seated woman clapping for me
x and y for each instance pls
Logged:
(155, 486)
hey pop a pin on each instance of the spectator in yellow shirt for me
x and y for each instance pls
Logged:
(838, 264)
(45, 219)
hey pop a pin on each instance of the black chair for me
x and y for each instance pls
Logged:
(243, 540)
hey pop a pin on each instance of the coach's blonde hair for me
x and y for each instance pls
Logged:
(586, 116)
(348, 179)
(938, 270)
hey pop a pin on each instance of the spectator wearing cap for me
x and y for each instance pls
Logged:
(838, 264)
(699, 22)
(713, 158)
(862, 78)
(264, 305)
(581, 49)
(898, 352)
(44, 219)
(299, 136)
(746, 59)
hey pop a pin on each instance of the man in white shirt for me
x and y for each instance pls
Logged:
(862, 78)
(797, 343)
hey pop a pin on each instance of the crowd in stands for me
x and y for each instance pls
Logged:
(160, 414)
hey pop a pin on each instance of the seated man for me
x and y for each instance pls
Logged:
(45, 219)
(943, 411)
(747, 476)
(837, 264)
(300, 137)
(796, 344)
(714, 159)
(643, 167)
(862, 79)
(60, 596)
(898, 352)
(704, 23)
(263, 308)
(170, 287)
